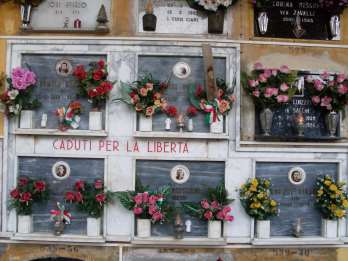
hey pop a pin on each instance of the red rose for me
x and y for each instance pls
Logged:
(80, 72)
(171, 111)
(23, 181)
(98, 184)
(92, 93)
(40, 186)
(191, 111)
(15, 193)
(80, 185)
(97, 75)
(70, 196)
(101, 64)
(100, 90)
(107, 86)
(78, 197)
(100, 197)
(25, 197)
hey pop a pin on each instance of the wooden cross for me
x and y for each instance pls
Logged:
(210, 84)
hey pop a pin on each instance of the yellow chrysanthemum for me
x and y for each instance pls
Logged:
(252, 205)
(273, 203)
(333, 187)
(327, 182)
(260, 195)
(339, 213)
(253, 188)
(255, 182)
(345, 203)
(333, 207)
(257, 205)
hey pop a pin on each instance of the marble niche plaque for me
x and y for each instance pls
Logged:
(296, 196)
(46, 168)
(189, 183)
(68, 15)
(174, 17)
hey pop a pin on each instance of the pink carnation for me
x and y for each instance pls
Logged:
(282, 98)
(157, 216)
(326, 102)
(145, 197)
(267, 73)
(284, 87)
(342, 89)
(152, 209)
(341, 78)
(220, 215)
(138, 199)
(229, 218)
(318, 85)
(153, 199)
(256, 93)
(270, 91)
(215, 204)
(137, 211)
(208, 215)
(274, 72)
(253, 83)
(316, 100)
(205, 204)
(262, 78)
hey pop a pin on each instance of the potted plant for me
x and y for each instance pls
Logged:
(255, 197)
(215, 110)
(26, 10)
(27, 193)
(90, 199)
(94, 85)
(147, 206)
(146, 97)
(171, 112)
(17, 97)
(60, 218)
(332, 203)
(270, 89)
(333, 9)
(214, 209)
(330, 94)
(149, 19)
(190, 113)
(70, 117)
(215, 9)
(260, 7)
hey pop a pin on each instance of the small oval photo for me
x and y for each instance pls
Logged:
(64, 68)
(182, 70)
(180, 174)
(61, 170)
(297, 176)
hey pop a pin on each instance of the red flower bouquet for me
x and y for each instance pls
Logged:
(27, 193)
(89, 198)
(93, 83)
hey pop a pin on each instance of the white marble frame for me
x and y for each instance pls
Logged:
(305, 240)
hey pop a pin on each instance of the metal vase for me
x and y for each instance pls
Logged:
(334, 25)
(216, 22)
(26, 15)
(266, 118)
(332, 120)
(149, 22)
(262, 20)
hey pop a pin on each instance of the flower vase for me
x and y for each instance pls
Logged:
(26, 16)
(216, 22)
(145, 123)
(26, 119)
(190, 125)
(214, 229)
(262, 20)
(144, 227)
(329, 228)
(263, 229)
(168, 123)
(332, 120)
(334, 26)
(93, 227)
(266, 120)
(149, 22)
(58, 228)
(217, 127)
(95, 120)
(25, 224)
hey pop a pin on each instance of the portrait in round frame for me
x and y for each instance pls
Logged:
(180, 174)
(61, 170)
(297, 176)
(64, 68)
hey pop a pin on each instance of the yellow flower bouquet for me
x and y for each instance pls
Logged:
(331, 199)
(256, 200)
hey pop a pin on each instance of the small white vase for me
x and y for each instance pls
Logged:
(95, 120)
(329, 228)
(25, 224)
(190, 125)
(263, 229)
(168, 124)
(214, 229)
(26, 119)
(93, 227)
(144, 227)
(145, 123)
(217, 126)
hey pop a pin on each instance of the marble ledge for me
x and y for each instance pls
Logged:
(170, 241)
(42, 237)
(55, 132)
(286, 241)
(181, 135)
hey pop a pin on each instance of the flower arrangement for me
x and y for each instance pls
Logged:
(61, 215)
(329, 92)
(145, 95)
(70, 117)
(331, 198)
(216, 109)
(28, 192)
(17, 97)
(171, 111)
(147, 204)
(256, 200)
(333, 6)
(93, 83)
(268, 87)
(191, 112)
(210, 5)
(89, 198)
(214, 207)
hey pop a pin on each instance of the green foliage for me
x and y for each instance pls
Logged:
(256, 200)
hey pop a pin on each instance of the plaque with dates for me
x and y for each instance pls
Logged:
(68, 15)
(174, 17)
